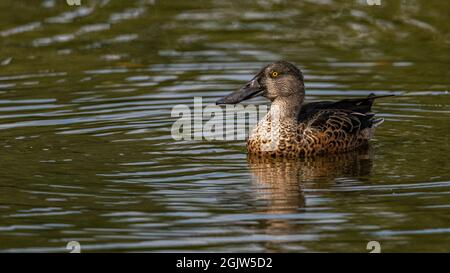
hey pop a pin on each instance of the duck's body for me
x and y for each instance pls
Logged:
(291, 129)
(319, 128)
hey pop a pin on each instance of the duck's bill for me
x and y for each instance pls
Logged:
(250, 90)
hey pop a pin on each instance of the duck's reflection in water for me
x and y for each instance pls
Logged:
(279, 182)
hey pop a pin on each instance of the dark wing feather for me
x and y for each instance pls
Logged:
(353, 113)
(340, 120)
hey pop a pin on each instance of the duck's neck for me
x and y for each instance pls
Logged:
(286, 109)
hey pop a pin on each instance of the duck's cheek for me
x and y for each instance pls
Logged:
(269, 95)
(286, 90)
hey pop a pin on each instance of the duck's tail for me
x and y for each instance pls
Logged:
(377, 122)
(372, 96)
(359, 105)
(368, 102)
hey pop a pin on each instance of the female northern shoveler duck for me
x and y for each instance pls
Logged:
(291, 129)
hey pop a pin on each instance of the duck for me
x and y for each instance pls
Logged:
(294, 129)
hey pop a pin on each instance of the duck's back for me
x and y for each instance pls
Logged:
(362, 106)
(339, 126)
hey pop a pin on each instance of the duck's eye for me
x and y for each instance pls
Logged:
(274, 74)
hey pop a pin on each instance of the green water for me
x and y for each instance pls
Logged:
(86, 95)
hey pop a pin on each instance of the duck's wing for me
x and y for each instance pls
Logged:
(341, 121)
(346, 117)
(362, 106)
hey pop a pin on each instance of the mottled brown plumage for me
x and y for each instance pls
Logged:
(291, 129)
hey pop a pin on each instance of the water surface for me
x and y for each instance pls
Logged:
(86, 95)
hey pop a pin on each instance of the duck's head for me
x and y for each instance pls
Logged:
(276, 81)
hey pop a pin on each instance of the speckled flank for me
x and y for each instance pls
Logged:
(328, 131)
